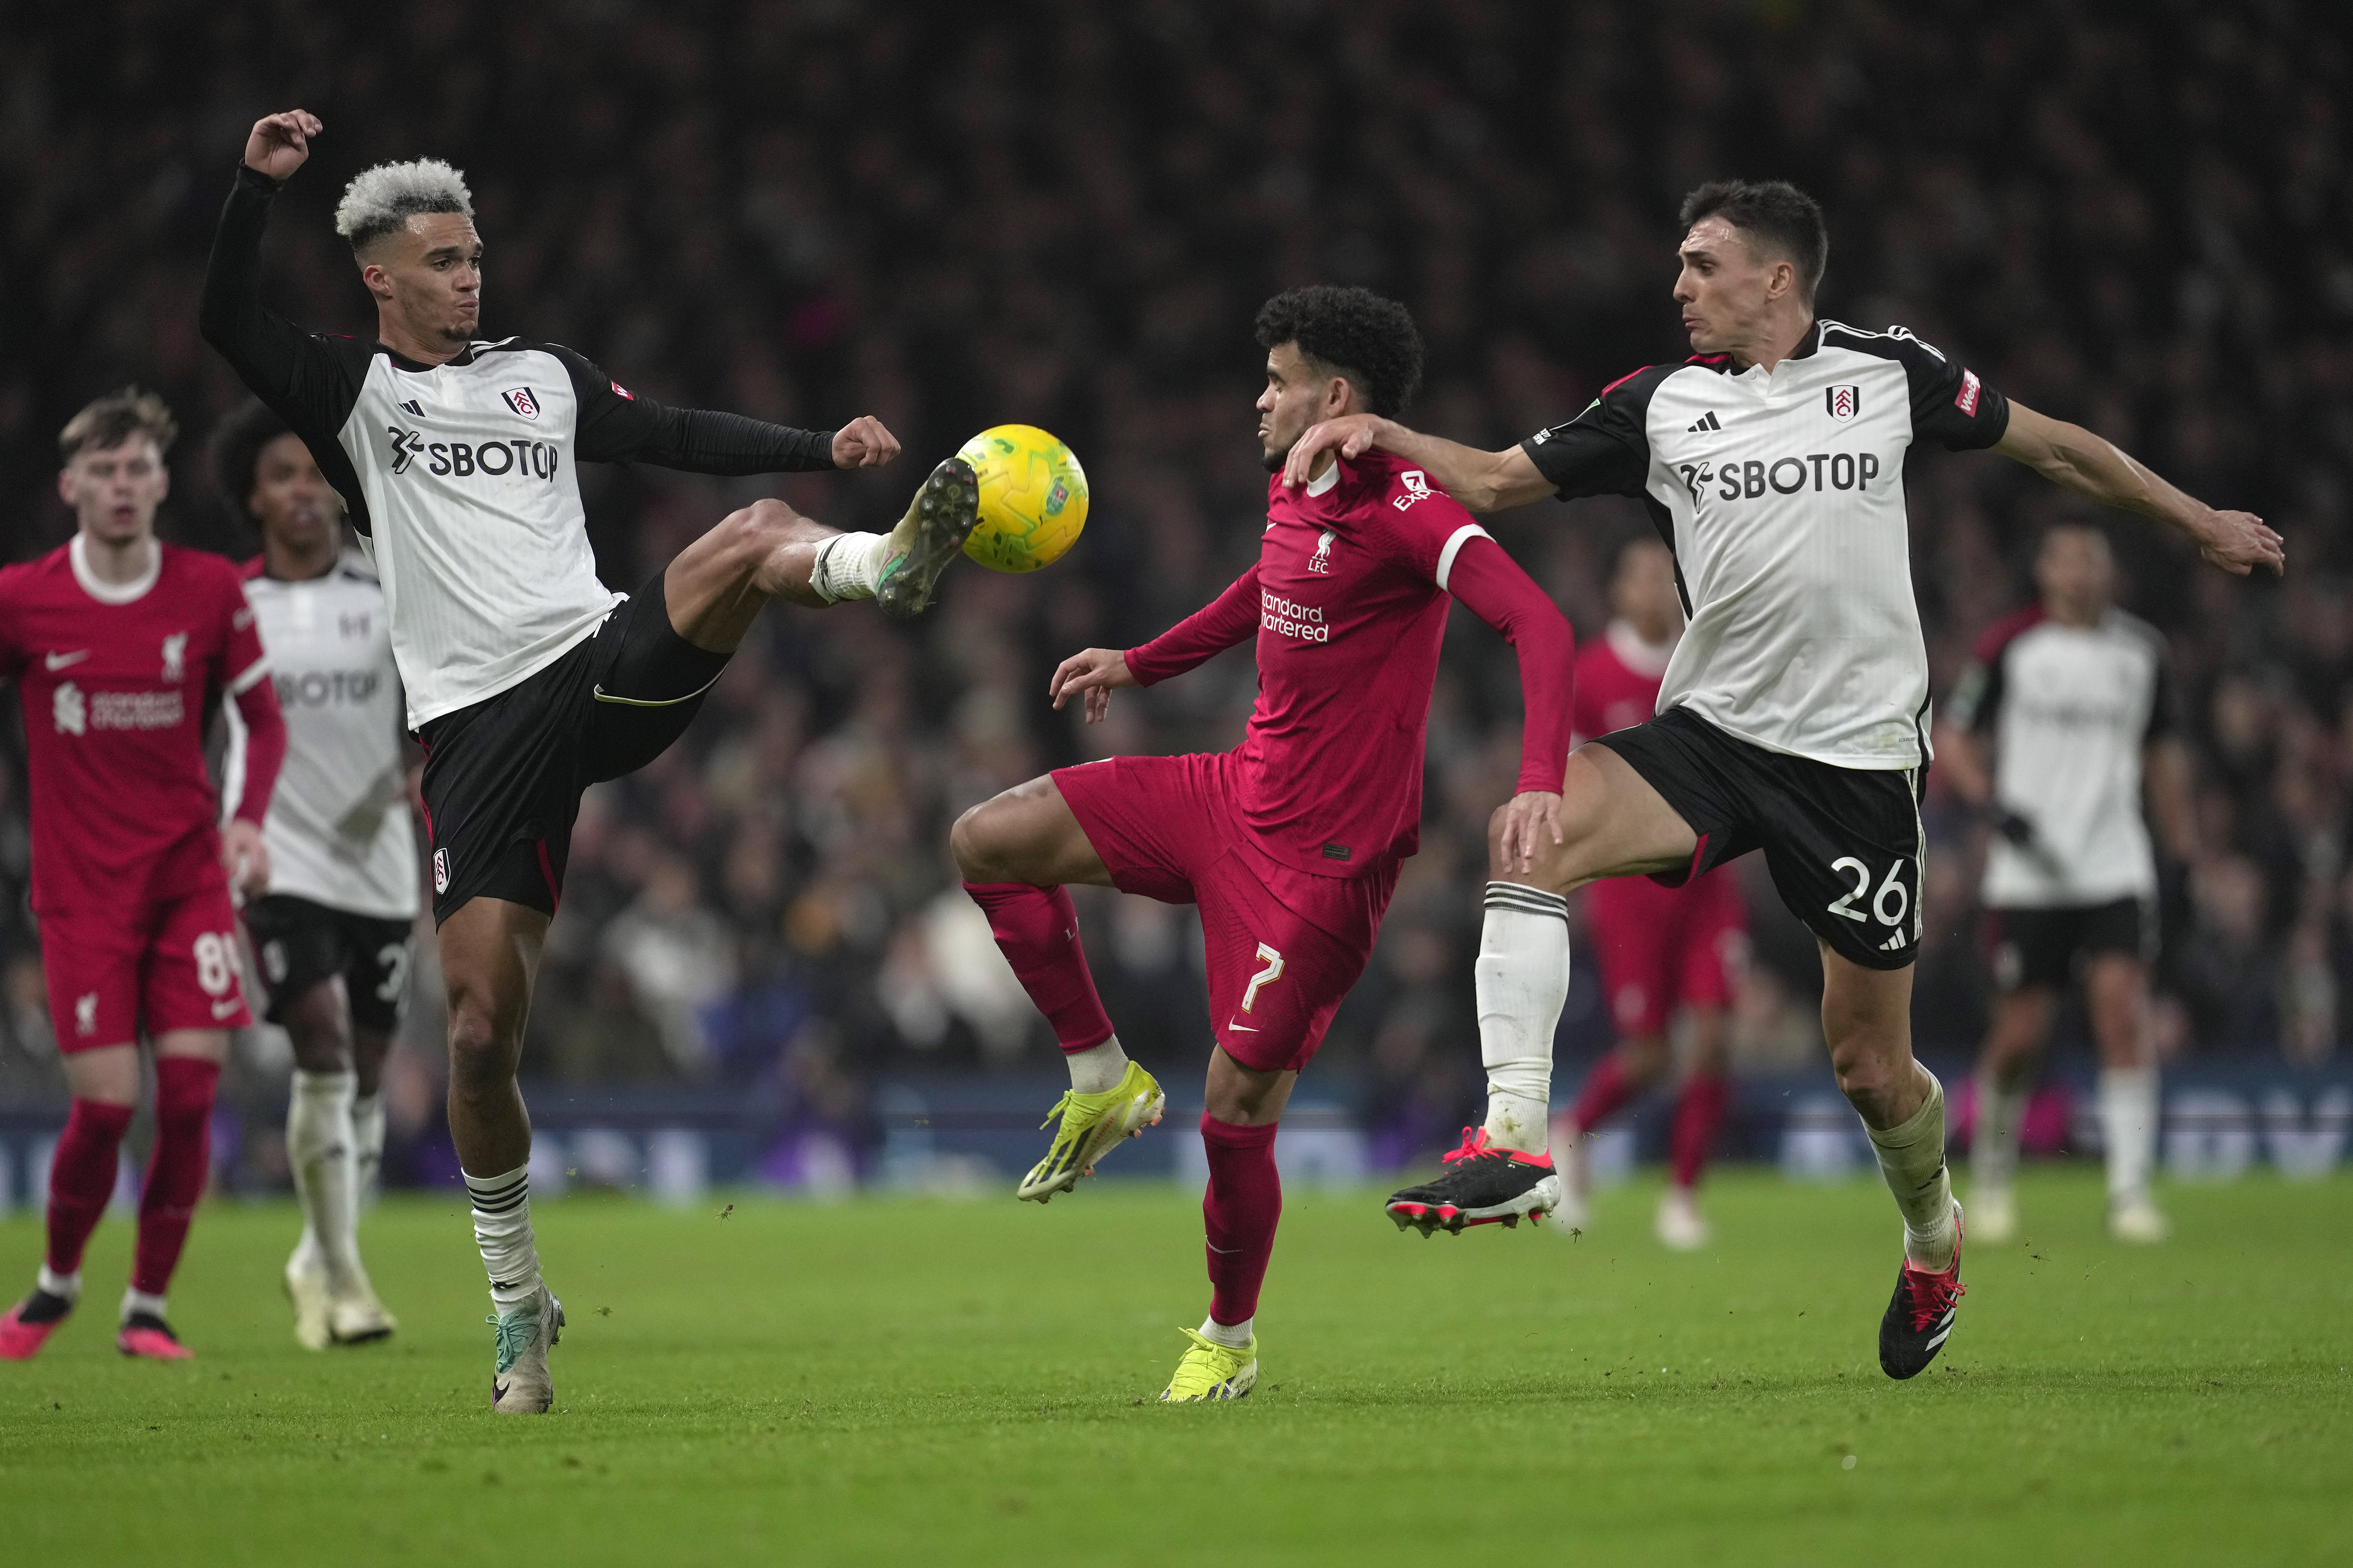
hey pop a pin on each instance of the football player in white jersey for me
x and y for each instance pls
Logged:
(525, 678)
(2072, 694)
(1790, 718)
(332, 936)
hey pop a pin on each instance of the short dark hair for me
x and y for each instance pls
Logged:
(1778, 219)
(1353, 333)
(235, 450)
(116, 418)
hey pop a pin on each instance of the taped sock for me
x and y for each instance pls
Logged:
(1522, 984)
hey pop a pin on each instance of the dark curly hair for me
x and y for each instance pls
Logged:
(1353, 333)
(235, 449)
(1779, 222)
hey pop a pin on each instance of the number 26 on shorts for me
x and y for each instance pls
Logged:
(1889, 889)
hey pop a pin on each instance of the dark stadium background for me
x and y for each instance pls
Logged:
(2135, 216)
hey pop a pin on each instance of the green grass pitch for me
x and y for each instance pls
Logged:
(923, 1381)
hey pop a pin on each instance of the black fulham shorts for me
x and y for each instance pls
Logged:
(504, 777)
(1844, 845)
(300, 944)
(2032, 949)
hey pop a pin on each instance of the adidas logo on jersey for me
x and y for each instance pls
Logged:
(413, 408)
(1706, 422)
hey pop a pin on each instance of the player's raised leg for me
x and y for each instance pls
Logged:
(2115, 985)
(1613, 823)
(2006, 1067)
(1017, 852)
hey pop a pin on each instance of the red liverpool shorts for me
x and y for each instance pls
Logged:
(1665, 948)
(117, 973)
(1283, 946)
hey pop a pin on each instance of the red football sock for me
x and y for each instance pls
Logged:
(1038, 929)
(1240, 1209)
(1699, 1112)
(81, 1178)
(1605, 1089)
(176, 1170)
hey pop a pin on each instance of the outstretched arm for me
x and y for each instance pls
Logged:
(2074, 459)
(1208, 631)
(269, 353)
(1481, 481)
(1487, 581)
(617, 425)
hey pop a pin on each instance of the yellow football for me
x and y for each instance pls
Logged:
(1033, 497)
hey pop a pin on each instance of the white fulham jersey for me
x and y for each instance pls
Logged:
(462, 479)
(1781, 494)
(2070, 710)
(338, 830)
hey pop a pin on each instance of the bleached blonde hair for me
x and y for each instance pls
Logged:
(380, 200)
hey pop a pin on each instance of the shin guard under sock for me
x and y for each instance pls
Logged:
(81, 1178)
(1038, 931)
(1522, 984)
(176, 1170)
(1240, 1211)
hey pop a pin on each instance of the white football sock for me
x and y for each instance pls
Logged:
(503, 1230)
(1993, 1147)
(137, 1301)
(1233, 1336)
(849, 566)
(367, 1147)
(318, 1147)
(57, 1284)
(1098, 1067)
(1522, 984)
(1912, 1158)
(2129, 1116)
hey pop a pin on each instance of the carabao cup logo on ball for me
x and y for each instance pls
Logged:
(1033, 497)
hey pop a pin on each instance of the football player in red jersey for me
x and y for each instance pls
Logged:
(121, 645)
(1290, 844)
(1662, 950)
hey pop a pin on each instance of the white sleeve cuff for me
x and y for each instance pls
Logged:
(1462, 536)
(260, 666)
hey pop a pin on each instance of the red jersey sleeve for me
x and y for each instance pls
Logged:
(243, 661)
(1208, 631)
(1491, 584)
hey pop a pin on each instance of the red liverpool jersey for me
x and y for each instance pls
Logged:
(1349, 599)
(1618, 677)
(116, 682)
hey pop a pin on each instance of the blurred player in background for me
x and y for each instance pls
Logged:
(1792, 716)
(1662, 950)
(122, 646)
(332, 938)
(525, 678)
(1290, 844)
(2072, 695)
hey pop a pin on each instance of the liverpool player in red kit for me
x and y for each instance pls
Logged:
(121, 643)
(1662, 950)
(1290, 844)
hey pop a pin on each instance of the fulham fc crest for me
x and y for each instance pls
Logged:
(1843, 401)
(441, 870)
(520, 399)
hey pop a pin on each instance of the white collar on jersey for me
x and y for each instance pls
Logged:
(1647, 659)
(107, 593)
(1323, 486)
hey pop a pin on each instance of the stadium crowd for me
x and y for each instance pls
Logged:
(2142, 220)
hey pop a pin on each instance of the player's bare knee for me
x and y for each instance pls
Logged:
(748, 537)
(978, 841)
(477, 1045)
